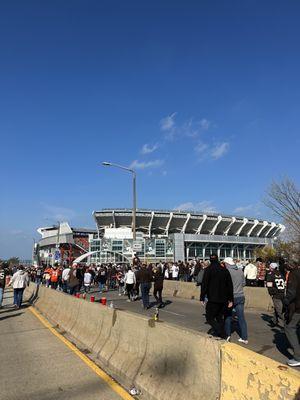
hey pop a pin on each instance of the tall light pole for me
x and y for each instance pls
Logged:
(109, 164)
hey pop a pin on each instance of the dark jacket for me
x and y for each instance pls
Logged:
(292, 297)
(216, 284)
(144, 276)
(2, 278)
(73, 280)
(158, 278)
(101, 276)
(275, 284)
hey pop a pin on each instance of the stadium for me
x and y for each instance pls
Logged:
(176, 235)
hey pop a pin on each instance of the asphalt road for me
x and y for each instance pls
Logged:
(263, 338)
(36, 365)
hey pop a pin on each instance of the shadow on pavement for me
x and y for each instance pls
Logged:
(279, 338)
(10, 316)
(34, 296)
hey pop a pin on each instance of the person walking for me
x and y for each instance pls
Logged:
(64, 278)
(130, 281)
(87, 281)
(2, 283)
(19, 281)
(238, 282)
(101, 278)
(250, 273)
(217, 287)
(292, 304)
(276, 289)
(73, 281)
(144, 277)
(261, 272)
(158, 278)
(54, 276)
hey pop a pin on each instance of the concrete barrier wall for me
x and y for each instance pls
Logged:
(250, 376)
(166, 362)
(255, 297)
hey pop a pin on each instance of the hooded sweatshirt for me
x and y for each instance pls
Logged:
(238, 280)
(19, 280)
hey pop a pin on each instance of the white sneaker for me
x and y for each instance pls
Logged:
(243, 341)
(120, 294)
(293, 363)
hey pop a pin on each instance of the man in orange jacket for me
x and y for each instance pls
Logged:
(54, 277)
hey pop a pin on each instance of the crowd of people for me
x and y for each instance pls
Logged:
(221, 288)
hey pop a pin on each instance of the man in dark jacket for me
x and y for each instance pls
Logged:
(2, 283)
(276, 289)
(292, 304)
(217, 287)
(158, 278)
(144, 277)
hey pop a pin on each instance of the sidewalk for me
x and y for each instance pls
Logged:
(36, 365)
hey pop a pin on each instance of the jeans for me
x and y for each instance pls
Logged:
(18, 296)
(74, 290)
(290, 330)
(238, 305)
(145, 289)
(1, 295)
(278, 310)
(215, 317)
(38, 281)
(65, 286)
(129, 290)
(157, 293)
(101, 286)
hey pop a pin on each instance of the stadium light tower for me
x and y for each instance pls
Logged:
(132, 171)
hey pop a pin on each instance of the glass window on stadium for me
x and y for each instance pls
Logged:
(225, 251)
(160, 248)
(195, 250)
(238, 251)
(117, 245)
(249, 252)
(210, 249)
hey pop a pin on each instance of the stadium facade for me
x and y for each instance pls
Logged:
(177, 235)
(61, 243)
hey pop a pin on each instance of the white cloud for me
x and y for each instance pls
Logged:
(146, 164)
(200, 148)
(148, 149)
(203, 206)
(205, 124)
(254, 209)
(243, 209)
(168, 123)
(55, 213)
(219, 150)
(16, 232)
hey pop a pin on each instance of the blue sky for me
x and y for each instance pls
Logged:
(202, 98)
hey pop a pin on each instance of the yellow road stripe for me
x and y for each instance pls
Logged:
(103, 375)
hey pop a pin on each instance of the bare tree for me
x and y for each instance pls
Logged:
(284, 200)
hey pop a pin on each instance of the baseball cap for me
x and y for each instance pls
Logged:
(229, 261)
(274, 265)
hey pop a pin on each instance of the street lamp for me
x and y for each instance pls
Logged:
(109, 164)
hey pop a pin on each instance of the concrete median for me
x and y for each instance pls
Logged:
(164, 361)
(138, 351)
(248, 376)
(256, 297)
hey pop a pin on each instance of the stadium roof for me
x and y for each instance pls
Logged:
(193, 222)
